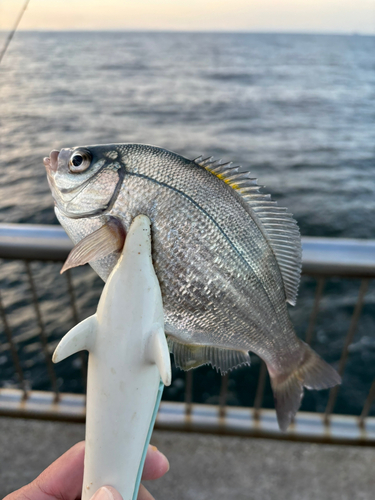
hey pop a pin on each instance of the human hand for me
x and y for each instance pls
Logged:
(63, 479)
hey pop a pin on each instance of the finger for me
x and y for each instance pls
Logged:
(143, 494)
(156, 464)
(62, 479)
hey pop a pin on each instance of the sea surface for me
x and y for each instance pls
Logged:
(298, 109)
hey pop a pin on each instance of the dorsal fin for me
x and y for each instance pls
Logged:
(278, 225)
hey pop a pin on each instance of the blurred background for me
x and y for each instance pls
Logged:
(285, 87)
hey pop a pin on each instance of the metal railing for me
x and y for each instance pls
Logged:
(323, 258)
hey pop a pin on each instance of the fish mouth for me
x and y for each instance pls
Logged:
(51, 161)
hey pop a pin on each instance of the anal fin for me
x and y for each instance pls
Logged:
(187, 356)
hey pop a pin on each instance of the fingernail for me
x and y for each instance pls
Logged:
(103, 494)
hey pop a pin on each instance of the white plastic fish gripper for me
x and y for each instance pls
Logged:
(128, 355)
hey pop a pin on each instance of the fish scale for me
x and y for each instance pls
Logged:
(201, 196)
(227, 257)
(204, 322)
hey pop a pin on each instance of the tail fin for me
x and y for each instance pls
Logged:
(312, 372)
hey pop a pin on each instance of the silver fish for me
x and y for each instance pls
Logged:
(228, 259)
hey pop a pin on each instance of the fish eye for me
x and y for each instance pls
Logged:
(79, 161)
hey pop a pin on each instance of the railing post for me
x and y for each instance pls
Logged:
(73, 305)
(188, 391)
(348, 340)
(314, 312)
(223, 395)
(367, 406)
(260, 389)
(42, 334)
(13, 348)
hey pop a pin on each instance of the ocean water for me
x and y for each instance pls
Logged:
(298, 109)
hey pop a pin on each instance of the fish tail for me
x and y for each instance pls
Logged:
(312, 372)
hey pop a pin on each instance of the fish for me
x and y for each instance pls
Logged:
(227, 257)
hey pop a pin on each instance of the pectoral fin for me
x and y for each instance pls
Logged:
(79, 338)
(192, 356)
(158, 353)
(102, 242)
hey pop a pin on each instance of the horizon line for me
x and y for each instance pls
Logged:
(208, 31)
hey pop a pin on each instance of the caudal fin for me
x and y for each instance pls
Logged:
(312, 372)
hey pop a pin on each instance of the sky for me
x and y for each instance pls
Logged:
(301, 16)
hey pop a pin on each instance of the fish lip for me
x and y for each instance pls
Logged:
(51, 161)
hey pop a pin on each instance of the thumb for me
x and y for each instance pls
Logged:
(107, 493)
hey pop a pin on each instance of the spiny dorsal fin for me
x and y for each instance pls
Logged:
(191, 356)
(279, 226)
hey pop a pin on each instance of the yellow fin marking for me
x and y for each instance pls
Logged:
(223, 178)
